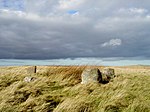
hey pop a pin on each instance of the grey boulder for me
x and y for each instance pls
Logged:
(91, 75)
(108, 74)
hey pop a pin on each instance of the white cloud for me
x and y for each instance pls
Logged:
(8, 12)
(138, 10)
(69, 4)
(133, 11)
(112, 42)
(19, 14)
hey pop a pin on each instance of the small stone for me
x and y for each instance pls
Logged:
(29, 79)
(91, 75)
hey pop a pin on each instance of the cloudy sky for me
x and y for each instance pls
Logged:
(56, 29)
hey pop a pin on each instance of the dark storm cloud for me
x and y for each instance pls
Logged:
(98, 29)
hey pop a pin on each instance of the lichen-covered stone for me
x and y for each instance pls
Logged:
(91, 75)
(108, 74)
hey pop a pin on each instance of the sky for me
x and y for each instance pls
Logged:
(75, 29)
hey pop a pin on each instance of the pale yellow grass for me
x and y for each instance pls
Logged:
(58, 89)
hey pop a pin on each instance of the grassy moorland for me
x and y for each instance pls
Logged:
(58, 89)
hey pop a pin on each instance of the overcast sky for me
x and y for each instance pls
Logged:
(52, 29)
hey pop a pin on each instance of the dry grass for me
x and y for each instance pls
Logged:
(58, 89)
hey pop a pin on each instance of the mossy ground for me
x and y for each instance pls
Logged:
(58, 89)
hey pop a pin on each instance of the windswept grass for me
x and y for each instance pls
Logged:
(58, 89)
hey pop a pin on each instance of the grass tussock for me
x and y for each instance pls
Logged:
(58, 89)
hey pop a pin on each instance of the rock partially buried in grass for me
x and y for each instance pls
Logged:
(29, 79)
(91, 75)
(108, 74)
